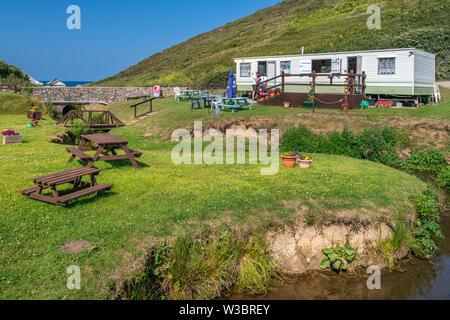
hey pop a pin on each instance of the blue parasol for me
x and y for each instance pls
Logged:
(231, 88)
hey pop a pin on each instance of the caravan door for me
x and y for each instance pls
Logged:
(271, 73)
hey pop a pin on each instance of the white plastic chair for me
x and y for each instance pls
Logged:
(177, 92)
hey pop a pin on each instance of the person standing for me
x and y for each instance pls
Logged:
(254, 85)
(263, 82)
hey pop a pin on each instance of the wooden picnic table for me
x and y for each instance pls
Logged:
(234, 103)
(106, 149)
(74, 177)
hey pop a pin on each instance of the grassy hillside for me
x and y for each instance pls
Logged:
(11, 75)
(16, 102)
(318, 25)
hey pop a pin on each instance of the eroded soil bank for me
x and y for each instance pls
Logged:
(299, 249)
(413, 279)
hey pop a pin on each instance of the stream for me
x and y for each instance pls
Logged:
(420, 279)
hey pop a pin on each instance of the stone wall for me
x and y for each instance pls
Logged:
(94, 94)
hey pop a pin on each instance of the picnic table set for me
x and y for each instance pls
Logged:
(202, 100)
(106, 147)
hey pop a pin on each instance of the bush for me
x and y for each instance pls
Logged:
(374, 144)
(444, 178)
(50, 110)
(429, 160)
(300, 138)
(427, 223)
(78, 128)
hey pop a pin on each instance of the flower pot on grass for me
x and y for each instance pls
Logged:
(10, 137)
(289, 159)
(304, 161)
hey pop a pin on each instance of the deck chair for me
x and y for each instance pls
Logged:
(177, 92)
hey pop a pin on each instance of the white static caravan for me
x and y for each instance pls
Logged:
(390, 72)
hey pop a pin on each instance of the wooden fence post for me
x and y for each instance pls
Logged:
(314, 90)
(364, 83)
(282, 81)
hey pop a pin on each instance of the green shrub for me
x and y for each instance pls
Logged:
(50, 110)
(374, 144)
(78, 128)
(300, 138)
(444, 178)
(429, 160)
(427, 222)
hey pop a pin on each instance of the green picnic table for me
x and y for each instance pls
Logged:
(235, 103)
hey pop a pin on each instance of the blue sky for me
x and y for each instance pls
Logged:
(114, 35)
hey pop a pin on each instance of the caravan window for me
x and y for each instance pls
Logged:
(285, 66)
(321, 66)
(386, 65)
(245, 70)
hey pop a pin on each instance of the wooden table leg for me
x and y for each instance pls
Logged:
(93, 180)
(130, 156)
(96, 156)
(73, 157)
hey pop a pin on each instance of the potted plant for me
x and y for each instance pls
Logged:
(309, 100)
(11, 136)
(289, 158)
(304, 161)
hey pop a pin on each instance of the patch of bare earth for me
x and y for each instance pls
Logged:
(76, 246)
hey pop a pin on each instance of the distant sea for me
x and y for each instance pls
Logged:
(69, 83)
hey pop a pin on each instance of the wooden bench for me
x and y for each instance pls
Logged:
(135, 153)
(80, 154)
(84, 192)
(74, 177)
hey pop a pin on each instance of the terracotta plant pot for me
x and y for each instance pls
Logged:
(289, 162)
(304, 163)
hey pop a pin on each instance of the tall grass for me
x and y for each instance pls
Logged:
(205, 267)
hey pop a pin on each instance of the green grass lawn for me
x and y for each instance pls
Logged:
(160, 200)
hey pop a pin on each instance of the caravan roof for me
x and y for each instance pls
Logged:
(336, 53)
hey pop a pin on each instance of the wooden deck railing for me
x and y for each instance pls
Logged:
(353, 80)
